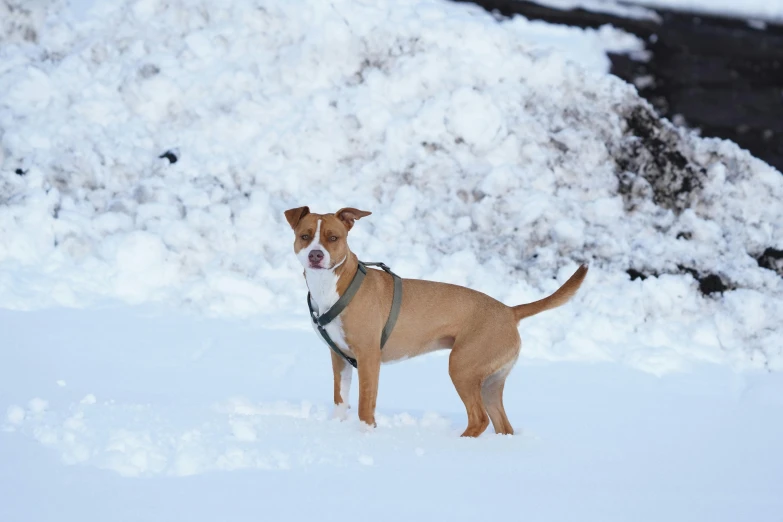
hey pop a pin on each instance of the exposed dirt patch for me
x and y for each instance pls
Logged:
(708, 283)
(652, 152)
(772, 259)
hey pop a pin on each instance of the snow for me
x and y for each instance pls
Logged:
(622, 9)
(493, 154)
(245, 428)
(770, 10)
(758, 12)
(37, 406)
(15, 415)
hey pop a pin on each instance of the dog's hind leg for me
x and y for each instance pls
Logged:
(492, 393)
(467, 379)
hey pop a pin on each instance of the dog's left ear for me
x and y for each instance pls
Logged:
(349, 215)
(295, 215)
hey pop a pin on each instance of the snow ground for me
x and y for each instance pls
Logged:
(490, 154)
(162, 417)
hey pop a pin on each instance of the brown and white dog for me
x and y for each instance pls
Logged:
(480, 331)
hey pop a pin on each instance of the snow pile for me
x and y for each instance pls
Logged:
(771, 10)
(492, 154)
(758, 11)
(610, 7)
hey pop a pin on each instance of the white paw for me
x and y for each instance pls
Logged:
(340, 411)
(366, 428)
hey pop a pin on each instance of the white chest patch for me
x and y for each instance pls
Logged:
(323, 289)
(335, 331)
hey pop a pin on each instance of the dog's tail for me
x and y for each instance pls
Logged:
(561, 296)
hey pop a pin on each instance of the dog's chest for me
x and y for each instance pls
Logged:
(323, 289)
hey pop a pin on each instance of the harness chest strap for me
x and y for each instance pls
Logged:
(327, 317)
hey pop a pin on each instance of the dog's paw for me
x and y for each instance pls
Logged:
(340, 412)
(365, 427)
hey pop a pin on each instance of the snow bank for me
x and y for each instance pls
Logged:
(771, 10)
(621, 9)
(757, 11)
(492, 154)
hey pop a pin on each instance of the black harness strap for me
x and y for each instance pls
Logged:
(396, 302)
(327, 317)
(338, 307)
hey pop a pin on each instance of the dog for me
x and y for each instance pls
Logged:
(480, 331)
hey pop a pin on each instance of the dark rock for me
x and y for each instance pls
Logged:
(169, 155)
(711, 284)
(772, 259)
(635, 274)
(20, 172)
(708, 284)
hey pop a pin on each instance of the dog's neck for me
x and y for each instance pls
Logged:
(327, 285)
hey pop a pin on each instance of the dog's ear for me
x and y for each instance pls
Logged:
(295, 215)
(349, 215)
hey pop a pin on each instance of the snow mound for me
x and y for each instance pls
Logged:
(150, 151)
(767, 10)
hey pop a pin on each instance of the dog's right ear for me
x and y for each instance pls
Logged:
(295, 215)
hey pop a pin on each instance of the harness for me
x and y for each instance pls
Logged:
(327, 317)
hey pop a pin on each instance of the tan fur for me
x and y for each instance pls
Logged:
(480, 331)
(561, 296)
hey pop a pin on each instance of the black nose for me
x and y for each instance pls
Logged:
(315, 256)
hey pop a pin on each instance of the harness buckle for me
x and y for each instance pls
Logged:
(380, 265)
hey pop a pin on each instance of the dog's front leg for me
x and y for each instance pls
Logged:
(369, 371)
(343, 372)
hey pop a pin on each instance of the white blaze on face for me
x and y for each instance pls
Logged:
(321, 282)
(315, 244)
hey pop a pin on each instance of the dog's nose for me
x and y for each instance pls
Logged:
(315, 256)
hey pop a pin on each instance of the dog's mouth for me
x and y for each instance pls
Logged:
(316, 266)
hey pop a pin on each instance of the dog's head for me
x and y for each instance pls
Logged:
(320, 240)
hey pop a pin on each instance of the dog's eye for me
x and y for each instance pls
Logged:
(305, 236)
(333, 238)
